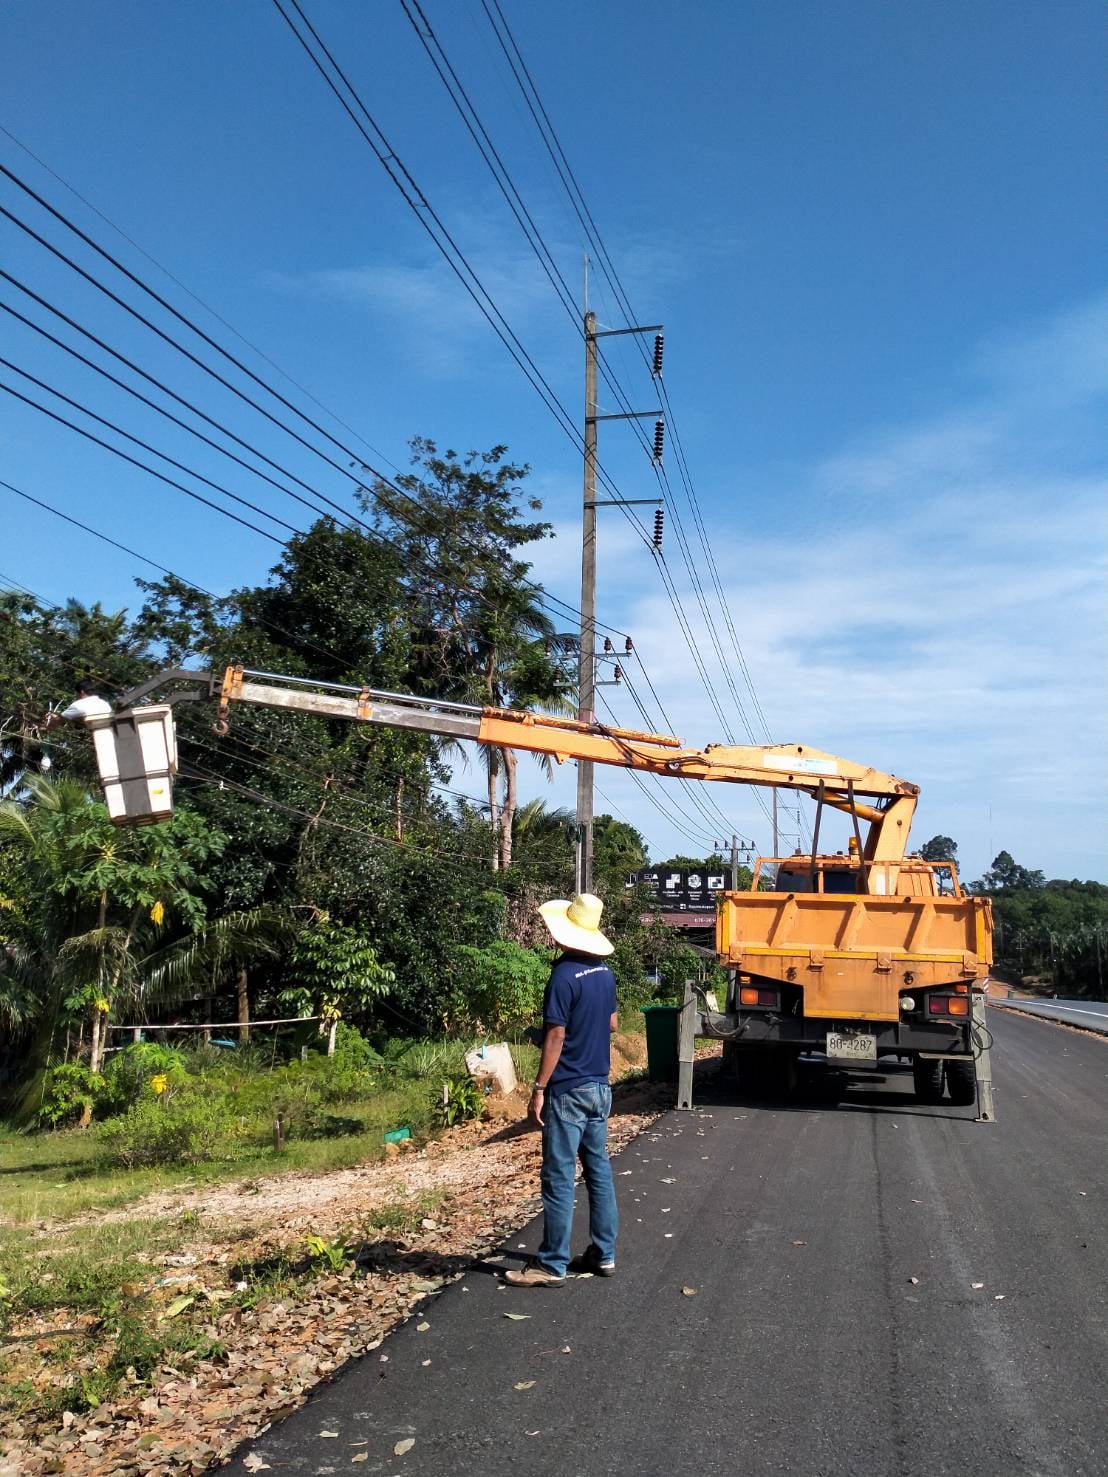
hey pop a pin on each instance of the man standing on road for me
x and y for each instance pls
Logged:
(572, 1099)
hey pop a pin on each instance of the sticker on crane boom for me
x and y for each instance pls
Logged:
(800, 764)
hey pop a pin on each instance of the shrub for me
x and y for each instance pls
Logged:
(675, 967)
(69, 1089)
(185, 1128)
(633, 986)
(497, 989)
(347, 1076)
(463, 1099)
(128, 1072)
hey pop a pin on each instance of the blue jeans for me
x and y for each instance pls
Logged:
(576, 1125)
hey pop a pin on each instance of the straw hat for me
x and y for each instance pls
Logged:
(576, 924)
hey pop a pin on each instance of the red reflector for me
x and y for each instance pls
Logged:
(768, 997)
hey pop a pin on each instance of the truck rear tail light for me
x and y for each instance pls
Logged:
(947, 1005)
(750, 995)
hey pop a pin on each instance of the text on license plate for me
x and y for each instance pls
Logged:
(852, 1046)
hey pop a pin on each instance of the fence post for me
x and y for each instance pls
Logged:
(983, 1066)
(686, 1046)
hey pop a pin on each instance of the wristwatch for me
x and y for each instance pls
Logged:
(539, 1087)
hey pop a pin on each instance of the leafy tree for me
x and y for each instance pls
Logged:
(543, 842)
(92, 898)
(939, 849)
(713, 863)
(479, 631)
(498, 989)
(337, 971)
(1006, 875)
(44, 652)
(618, 850)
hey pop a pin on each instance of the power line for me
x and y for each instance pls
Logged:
(407, 497)
(153, 472)
(190, 293)
(153, 405)
(564, 170)
(181, 318)
(481, 137)
(119, 431)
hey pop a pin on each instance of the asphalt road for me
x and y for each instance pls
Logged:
(1090, 1015)
(833, 1245)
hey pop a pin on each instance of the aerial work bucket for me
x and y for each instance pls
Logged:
(136, 755)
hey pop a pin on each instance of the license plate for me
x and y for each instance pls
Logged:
(852, 1046)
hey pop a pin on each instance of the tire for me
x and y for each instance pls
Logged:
(927, 1077)
(961, 1083)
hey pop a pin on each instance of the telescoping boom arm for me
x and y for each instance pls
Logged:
(840, 783)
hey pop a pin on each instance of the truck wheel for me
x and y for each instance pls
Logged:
(927, 1077)
(961, 1082)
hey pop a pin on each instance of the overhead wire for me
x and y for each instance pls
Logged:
(181, 317)
(425, 213)
(145, 445)
(479, 133)
(407, 497)
(188, 291)
(547, 132)
(152, 471)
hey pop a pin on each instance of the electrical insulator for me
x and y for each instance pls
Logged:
(607, 643)
(659, 350)
(617, 673)
(628, 646)
(659, 439)
(659, 521)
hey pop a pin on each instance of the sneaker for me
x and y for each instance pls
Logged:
(589, 1261)
(533, 1276)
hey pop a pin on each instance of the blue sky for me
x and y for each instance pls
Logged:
(874, 231)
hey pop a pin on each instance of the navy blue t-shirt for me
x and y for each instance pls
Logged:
(581, 995)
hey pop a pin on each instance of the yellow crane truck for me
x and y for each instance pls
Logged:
(855, 955)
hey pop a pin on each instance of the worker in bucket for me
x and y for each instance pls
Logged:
(87, 704)
(571, 1100)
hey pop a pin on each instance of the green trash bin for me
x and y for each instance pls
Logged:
(661, 1042)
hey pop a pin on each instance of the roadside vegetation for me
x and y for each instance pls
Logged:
(286, 976)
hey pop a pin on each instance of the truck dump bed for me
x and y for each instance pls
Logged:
(853, 954)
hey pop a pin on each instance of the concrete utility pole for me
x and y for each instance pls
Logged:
(586, 666)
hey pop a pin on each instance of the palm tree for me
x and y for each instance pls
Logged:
(543, 838)
(90, 902)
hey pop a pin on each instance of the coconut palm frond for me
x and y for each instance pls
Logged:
(14, 822)
(236, 938)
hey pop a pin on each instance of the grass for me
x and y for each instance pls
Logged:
(60, 1175)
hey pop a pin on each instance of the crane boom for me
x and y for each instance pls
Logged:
(829, 779)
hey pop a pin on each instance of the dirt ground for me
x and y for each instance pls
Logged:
(481, 1180)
